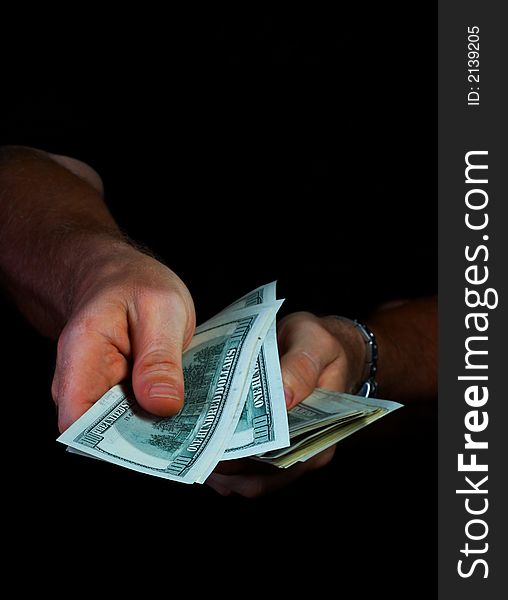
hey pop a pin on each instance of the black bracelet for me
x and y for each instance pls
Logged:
(368, 389)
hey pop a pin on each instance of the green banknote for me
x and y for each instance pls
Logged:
(323, 419)
(234, 406)
(218, 370)
(263, 424)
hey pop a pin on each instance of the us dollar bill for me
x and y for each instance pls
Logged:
(323, 419)
(218, 369)
(234, 406)
(263, 424)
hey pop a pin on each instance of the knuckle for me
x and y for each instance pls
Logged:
(175, 306)
(77, 328)
(158, 361)
(61, 343)
(182, 306)
(294, 319)
(154, 295)
(61, 381)
(54, 390)
(328, 343)
(301, 315)
(305, 368)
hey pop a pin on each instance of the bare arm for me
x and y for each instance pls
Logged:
(406, 334)
(54, 229)
(330, 353)
(74, 276)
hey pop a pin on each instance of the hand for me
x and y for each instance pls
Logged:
(315, 352)
(251, 479)
(128, 311)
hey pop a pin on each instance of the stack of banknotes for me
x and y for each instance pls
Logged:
(234, 406)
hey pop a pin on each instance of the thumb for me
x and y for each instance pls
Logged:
(307, 349)
(158, 335)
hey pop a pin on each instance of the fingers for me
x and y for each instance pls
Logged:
(159, 329)
(87, 366)
(253, 486)
(143, 314)
(308, 351)
(232, 467)
(267, 480)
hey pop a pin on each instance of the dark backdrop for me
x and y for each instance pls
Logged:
(295, 146)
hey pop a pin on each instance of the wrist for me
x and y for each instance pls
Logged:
(367, 366)
(354, 348)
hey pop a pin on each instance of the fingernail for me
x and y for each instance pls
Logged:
(163, 390)
(288, 394)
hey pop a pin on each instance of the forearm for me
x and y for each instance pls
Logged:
(54, 228)
(406, 335)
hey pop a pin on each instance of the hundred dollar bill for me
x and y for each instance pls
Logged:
(261, 295)
(218, 369)
(263, 424)
(323, 419)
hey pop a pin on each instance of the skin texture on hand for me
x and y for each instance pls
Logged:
(251, 479)
(329, 353)
(319, 352)
(116, 310)
(136, 315)
(72, 273)
(315, 352)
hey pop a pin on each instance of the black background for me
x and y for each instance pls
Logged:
(241, 148)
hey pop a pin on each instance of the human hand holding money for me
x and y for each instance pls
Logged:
(127, 309)
(234, 406)
(315, 353)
